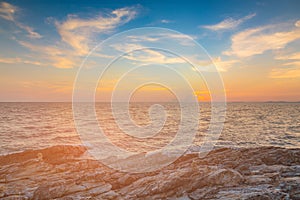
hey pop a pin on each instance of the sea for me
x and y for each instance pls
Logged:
(25, 126)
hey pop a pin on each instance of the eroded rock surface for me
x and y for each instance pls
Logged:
(66, 172)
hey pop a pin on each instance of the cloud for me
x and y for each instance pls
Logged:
(165, 21)
(224, 65)
(293, 56)
(142, 44)
(55, 56)
(142, 38)
(140, 53)
(218, 62)
(138, 50)
(18, 61)
(152, 56)
(228, 23)
(77, 32)
(30, 31)
(181, 38)
(8, 11)
(258, 40)
(295, 63)
(57, 86)
(127, 47)
(289, 70)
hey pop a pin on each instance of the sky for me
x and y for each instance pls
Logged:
(255, 46)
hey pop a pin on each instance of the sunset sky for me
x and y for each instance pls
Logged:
(254, 44)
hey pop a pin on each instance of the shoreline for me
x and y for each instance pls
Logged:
(65, 172)
(191, 150)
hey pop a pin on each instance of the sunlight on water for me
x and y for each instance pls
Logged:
(39, 125)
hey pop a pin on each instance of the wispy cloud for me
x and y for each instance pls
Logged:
(224, 65)
(53, 87)
(142, 54)
(221, 64)
(228, 23)
(165, 21)
(152, 56)
(258, 40)
(137, 47)
(30, 31)
(18, 61)
(139, 53)
(77, 32)
(181, 38)
(288, 70)
(127, 47)
(8, 12)
(55, 56)
(293, 56)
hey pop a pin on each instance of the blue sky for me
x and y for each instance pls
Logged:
(184, 16)
(254, 43)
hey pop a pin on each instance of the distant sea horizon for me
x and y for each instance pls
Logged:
(147, 101)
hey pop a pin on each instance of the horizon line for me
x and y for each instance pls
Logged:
(271, 101)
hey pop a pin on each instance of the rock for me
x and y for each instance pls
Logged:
(291, 185)
(225, 177)
(100, 189)
(66, 172)
(249, 192)
(50, 191)
(184, 197)
(257, 169)
(109, 195)
(126, 179)
(258, 179)
(259, 197)
(243, 169)
(201, 192)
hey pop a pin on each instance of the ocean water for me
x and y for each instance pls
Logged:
(38, 125)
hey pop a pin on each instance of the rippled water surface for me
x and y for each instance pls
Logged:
(37, 125)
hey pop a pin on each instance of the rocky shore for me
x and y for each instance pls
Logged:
(65, 172)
